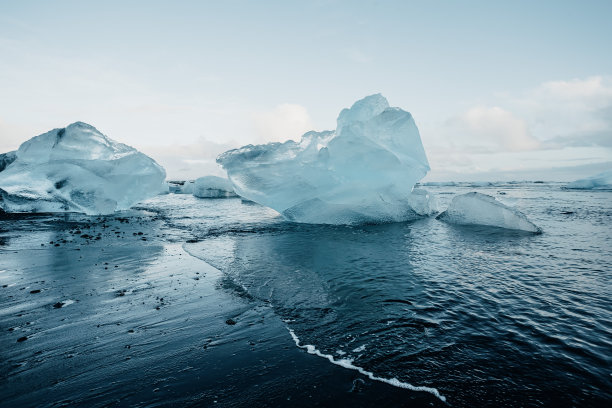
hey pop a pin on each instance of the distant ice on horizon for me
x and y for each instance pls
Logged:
(213, 187)
(602, 181)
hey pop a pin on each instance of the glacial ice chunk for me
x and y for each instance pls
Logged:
(79, 169)
(213, 187)
(481, 209)
(364, 171)
(602, 181)
(423, 202)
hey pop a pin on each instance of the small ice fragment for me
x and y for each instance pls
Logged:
(423, 202)
(213, 187)
(481, 209)
(187, 188)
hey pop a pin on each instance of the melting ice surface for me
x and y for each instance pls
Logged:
(602, 181)
(79, 169)
(364, 171)
(213, 187)
(482, 209)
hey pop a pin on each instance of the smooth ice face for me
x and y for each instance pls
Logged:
(363, 171)
(77, 169)
(602, 181)
(481, 209)
(213, 187)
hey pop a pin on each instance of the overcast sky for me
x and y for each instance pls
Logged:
(517, 89)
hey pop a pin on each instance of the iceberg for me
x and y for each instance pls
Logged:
(363, 172)
(602, 181)
(77, 169)
(213, 187)
(481, 209)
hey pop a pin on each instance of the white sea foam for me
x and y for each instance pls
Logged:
(348, 363)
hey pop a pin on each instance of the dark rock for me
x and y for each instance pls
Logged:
(231, 322)
(24, 338)
(58, 305)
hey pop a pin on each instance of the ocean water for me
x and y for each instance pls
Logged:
(475, 316)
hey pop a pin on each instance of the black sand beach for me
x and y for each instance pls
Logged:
(111, 311)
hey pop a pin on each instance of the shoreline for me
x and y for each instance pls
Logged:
(130, 318)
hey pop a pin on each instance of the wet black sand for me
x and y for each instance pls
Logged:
(113, 312)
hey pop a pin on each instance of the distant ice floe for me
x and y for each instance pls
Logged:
(602, 181)
(204, 187)
(77, 169)
(348, 363)
(362, 172)
(481, 209)
(213, 187)
(187, 188)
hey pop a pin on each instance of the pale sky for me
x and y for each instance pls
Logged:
(499, 90)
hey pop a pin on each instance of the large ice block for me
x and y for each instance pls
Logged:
(364, 171)
(481, 209)
(79, 169)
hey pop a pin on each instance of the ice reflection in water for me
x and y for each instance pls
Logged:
(480, 314)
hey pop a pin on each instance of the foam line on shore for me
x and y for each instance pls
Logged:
(347, 363)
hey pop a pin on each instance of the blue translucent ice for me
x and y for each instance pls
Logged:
(364, 171)
(481, 209)
(78, 169)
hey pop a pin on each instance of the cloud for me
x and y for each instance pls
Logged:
(189, 161)
(593, 90)
(357, 55)
(568, 113)
(284, 122)
(490, 129)
(544, 126)
(11, 136)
